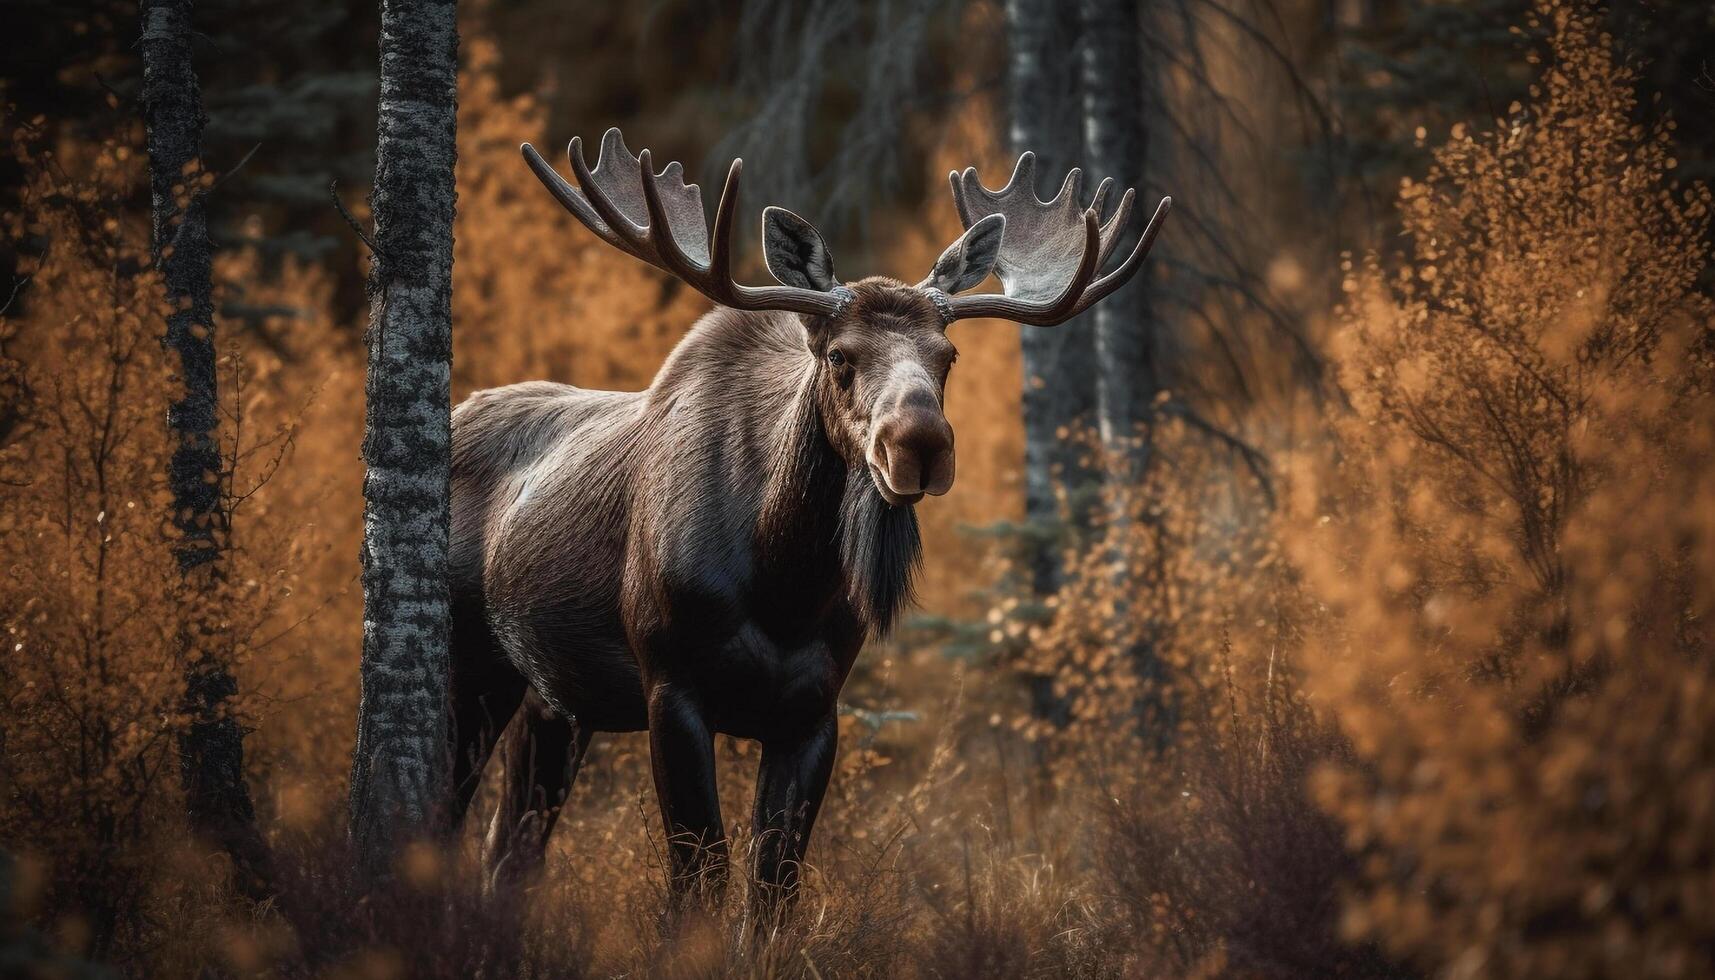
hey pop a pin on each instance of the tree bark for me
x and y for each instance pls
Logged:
(1129, 340)
(211, 748)
(1059, 363)
(401, 769)
(1111, 58)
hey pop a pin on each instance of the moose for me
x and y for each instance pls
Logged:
(710, 554)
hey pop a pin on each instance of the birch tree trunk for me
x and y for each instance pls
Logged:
(1111, 58)
(211, 748)
(401, 767)
(1059, 364)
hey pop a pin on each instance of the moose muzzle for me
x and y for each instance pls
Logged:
(911, 450)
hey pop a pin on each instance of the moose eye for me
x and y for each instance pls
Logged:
(836, 357)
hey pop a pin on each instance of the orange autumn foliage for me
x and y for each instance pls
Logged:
(1509, 545)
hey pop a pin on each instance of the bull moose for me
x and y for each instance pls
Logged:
(711, 553)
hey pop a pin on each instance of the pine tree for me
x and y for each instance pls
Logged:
(295, 114)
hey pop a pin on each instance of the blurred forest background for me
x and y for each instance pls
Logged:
(1369, 638)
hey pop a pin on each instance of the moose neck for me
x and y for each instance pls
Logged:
(814, 499)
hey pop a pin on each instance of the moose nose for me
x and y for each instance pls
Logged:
(913, 449)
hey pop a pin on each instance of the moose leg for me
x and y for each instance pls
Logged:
(789, 791)
(485, 695)
(681, 752)
(540, 759)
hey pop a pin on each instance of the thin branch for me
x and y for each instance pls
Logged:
(236, 167)
(17, 285)
(339, 205)
(1255, 460)
(313, 613)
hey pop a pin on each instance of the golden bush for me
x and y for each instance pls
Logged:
(1506, 539)
(92, 672)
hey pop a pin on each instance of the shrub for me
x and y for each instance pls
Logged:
(1515, 575)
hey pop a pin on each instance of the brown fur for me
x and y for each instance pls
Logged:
(706, 555)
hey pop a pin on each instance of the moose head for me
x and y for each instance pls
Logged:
(880, 346)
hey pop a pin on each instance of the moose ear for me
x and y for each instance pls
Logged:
(968, 261)
(795, 252)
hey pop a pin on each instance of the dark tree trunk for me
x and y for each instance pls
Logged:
(211, 749)
(1111, 57)
(401, 767)
(1128, 336)
(1042, 86)
(1059, 364)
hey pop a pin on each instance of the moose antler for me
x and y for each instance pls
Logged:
(1051, 251)
(629, 206)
